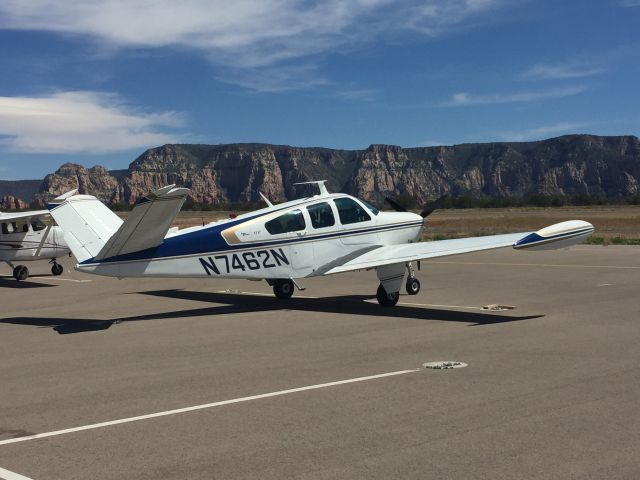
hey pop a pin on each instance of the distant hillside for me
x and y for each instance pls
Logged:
(221, 174)
(24, 189)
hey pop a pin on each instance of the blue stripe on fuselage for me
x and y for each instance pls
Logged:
(210, 239)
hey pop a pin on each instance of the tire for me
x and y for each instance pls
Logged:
(21, 273)
(57, 269)
(387, 299)
(283, 289)
(413, 286)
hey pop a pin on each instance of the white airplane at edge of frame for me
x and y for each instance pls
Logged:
(24, 237)
(320, 235)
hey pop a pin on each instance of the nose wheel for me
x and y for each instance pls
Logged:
(413, 286)
(57, 269)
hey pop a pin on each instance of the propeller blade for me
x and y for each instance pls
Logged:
(395, 205)
(427, 211)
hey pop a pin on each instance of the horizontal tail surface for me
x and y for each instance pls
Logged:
(147, 224)
(86, 222)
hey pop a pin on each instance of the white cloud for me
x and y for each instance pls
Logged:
(560, 71)
(464, 99)
(76, 122)
(244, 34)
(543, 132)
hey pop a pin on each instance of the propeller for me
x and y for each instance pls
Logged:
(395, 205)
(428, 210)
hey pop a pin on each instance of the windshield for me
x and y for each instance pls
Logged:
(371, 207)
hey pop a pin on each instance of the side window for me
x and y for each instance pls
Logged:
(37, 225)
(5, 228)
(289, 222)
(350, 211)
(321, 215)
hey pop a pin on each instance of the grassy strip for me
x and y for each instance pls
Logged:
(594, 240)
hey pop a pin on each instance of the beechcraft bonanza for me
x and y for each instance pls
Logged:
(321, 235)
(24, 236)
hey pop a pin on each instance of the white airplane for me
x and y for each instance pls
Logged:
(320, 235)
(25, 237)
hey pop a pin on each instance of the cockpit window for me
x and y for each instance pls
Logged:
(37, 225)
(371, 207)
(351, 211)
(289, 222)
(321, 215)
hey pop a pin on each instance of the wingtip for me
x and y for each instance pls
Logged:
(559, 235)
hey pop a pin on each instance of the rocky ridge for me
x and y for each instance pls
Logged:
(219, 174)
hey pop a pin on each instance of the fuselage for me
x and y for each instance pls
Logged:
(29, 239)
(297, 239)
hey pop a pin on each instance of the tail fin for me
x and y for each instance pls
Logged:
(86, 222)
(147, 224)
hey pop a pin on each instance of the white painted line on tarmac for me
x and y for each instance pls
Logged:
(439, 306)
(9, 475)
(203, 406)
(537, 265)
(261, 294)
(67, 280)
(429, 305)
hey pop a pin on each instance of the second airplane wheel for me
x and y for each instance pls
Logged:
(283, 289)
(21, 273)
(57, 269)
(413, 286)
(387, 299)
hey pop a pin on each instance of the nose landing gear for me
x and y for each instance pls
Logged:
(56, 268)
(413, 284)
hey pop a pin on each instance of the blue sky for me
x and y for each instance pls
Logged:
(99, 81)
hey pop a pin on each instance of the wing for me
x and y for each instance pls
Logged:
(19, 215)
(556, 236)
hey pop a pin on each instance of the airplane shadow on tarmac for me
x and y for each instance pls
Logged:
(10, 282)
(234, 303)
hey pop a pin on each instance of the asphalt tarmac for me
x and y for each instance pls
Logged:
(109, 370)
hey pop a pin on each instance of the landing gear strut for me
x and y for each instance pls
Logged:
(387, 299)
(283, 289)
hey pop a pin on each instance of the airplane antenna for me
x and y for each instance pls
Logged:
(266, 199)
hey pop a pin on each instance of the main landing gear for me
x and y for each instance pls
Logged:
(387, 299)
(392, 276)
(283, 289)
(21, 273)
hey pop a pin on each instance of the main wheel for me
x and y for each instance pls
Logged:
(283, 289)
(57, 269)
(413, 286)
(387, 299)
(21, 273)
